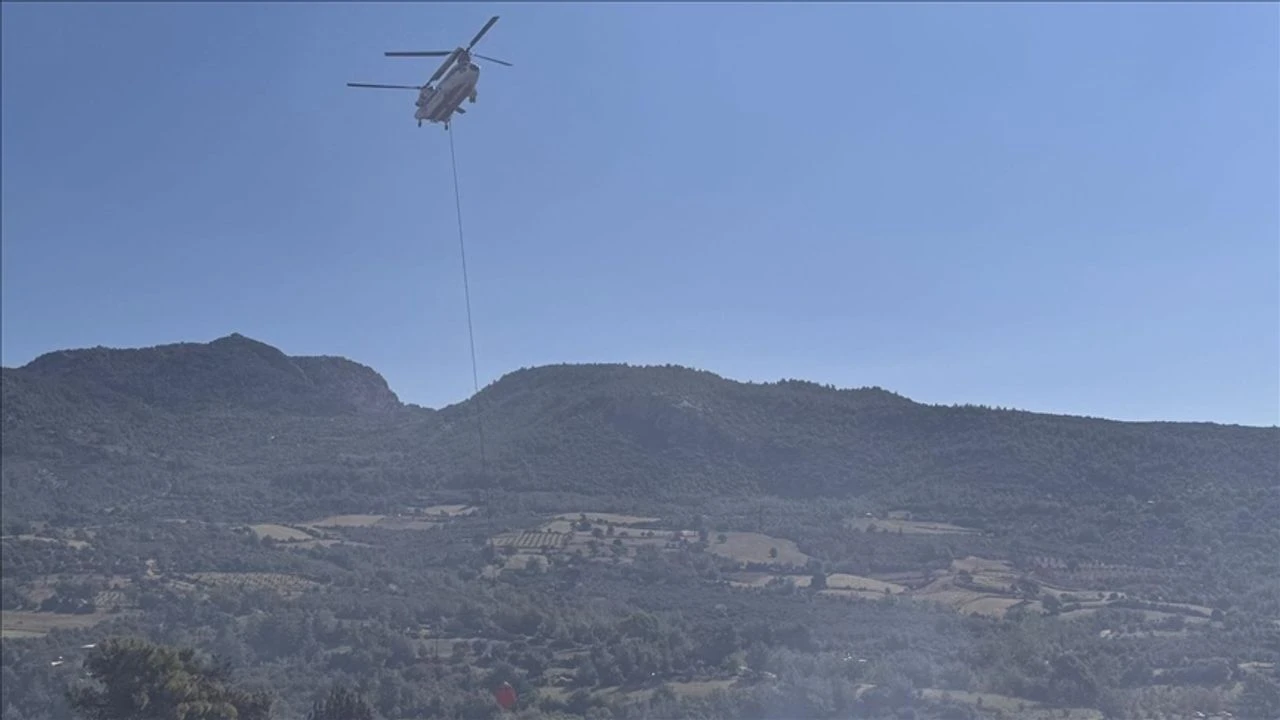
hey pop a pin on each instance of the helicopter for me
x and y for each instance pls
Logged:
(457, 77)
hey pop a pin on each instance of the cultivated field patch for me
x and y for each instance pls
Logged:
(449, 510)
(699, 688)
(280, 533)
(754, 579)
(907, 527)
(990, 606)
(340, 521)
(844, 581)
(838, 584)
(1011, 707)
(19, 624)
(967, 598)
(69, 542)
(533, 540)
(406, 523)
(747, 547)
(381, 522)
(702, 688)
(913, 579)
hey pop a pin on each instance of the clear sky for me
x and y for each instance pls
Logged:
(1065, 208)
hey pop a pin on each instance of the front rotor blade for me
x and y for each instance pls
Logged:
(483, 30)
(419, 53)
(492, 60)
(384, 87)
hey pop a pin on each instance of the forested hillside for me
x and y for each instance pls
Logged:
(640, 542)
(202, 426)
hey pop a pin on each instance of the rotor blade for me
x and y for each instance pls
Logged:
(419, 53)
(384, 87)
(444, 66)
(483, 30)
(492, 60)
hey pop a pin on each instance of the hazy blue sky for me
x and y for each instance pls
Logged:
(1067, 208)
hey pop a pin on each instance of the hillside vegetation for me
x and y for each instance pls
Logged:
(641, 542)
(207, 426)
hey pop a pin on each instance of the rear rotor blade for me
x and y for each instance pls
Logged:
(483, 30)
(418, 53)
(384, 87)
(492, 60)
(444, 66)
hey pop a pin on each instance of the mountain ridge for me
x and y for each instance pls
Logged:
(267, 378)
(237, 428)
(312, 367)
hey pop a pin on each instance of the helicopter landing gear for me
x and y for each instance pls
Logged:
(419, 123)
(472, 99)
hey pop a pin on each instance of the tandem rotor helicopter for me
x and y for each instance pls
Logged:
(458, 76)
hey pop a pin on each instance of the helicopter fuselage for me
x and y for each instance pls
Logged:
(438, 104)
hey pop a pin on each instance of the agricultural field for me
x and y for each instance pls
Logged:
(564, 532)
(838, 584)
(533, 540)
(907, 527)
(692, 689)
(843, 583)
(1010, 707)
(406, 523)
(68, 542)
(382, 522)
(749, 547)
(19, 624)
(449, 511)
(281, 533)
(970, 585)
(341, 521)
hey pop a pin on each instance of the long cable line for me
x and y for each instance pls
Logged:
(466, 288)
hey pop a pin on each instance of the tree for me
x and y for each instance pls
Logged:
(11, 596)
(137, 680)
(1052, 604)
(340, 704)
(1261, 696)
